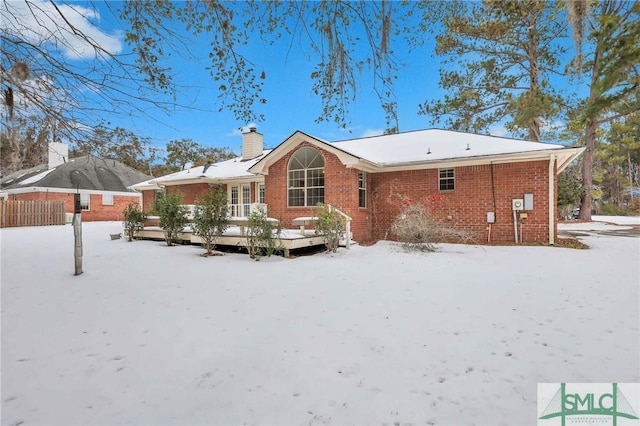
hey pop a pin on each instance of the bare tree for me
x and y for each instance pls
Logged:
(57, 65)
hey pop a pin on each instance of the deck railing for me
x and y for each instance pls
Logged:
(235, 210)
(347, 226)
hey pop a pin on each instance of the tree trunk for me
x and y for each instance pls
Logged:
(586, 204)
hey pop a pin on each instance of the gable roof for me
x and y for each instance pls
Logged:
(227, 170)
(87, 172)
(429, 148)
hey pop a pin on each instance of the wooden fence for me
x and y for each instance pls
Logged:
(31, 213)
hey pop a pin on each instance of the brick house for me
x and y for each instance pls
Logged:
(469, 181)
(103, 184)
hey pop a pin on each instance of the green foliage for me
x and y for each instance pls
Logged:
(330, 225)
(611, 209)
(612, 68)
(344, 38)
(133, 222)
(263, 236)
(183, 151)
(173, 215)
(210, 218)
(498, 60)
(570, 188)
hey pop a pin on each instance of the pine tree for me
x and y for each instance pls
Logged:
(499, 58)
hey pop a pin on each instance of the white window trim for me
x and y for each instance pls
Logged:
(110, 201)
(362, 188)
(305, 186)
(259, 187)
(441, 179)
(88, 201)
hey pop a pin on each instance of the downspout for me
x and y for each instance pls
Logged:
(552, 198)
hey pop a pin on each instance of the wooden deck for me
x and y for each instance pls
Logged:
(290, 239)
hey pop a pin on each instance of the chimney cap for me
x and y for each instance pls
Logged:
(253, 128)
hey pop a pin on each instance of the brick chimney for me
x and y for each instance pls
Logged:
(58, 154)
(252, 144)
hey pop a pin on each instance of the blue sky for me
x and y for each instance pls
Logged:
(291, 104)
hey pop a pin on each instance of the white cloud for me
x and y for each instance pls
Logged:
(371, 132)
(498, 130)
(38, 22)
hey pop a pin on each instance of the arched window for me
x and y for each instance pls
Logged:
(306, 178)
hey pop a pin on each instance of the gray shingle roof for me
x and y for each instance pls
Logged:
(86, 172)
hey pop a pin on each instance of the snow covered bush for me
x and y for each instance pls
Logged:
(133, 222)
(173, 215)
(210, 218)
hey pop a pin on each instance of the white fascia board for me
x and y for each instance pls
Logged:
(145, 187)
(32, 189)
(216, 180)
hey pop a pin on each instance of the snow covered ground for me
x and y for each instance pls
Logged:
(158, 335)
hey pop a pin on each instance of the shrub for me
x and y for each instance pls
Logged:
(210, 218)
(417, 229)
(173, 215)
(611, 209)
(263, 236)
(330, 225)
(133, 222)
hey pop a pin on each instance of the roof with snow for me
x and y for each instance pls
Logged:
(434, 144)
(87, 172)
(423, 149)
(227, 170)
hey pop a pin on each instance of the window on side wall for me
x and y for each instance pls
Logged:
(446, 179)
(85, 201)
(362, 189)
(261, 193)
(107, 199)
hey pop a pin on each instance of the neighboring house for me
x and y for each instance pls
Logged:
(103, 184)
(470, 181)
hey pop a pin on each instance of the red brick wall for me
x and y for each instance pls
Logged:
(465, 207)
(341, 191)
(189, 192)
(148, 200)
(96, 212)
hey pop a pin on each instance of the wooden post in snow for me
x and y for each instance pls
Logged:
(77, 234)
